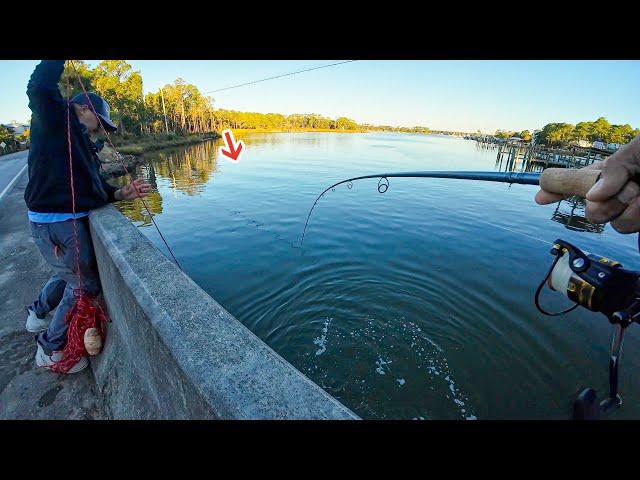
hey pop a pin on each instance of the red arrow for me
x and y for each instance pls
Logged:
(234, 150)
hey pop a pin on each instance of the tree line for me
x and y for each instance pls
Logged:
(180, 107)
(388, 128)
(12, 142)
(558, 134)
(599, 130)
(524, 135)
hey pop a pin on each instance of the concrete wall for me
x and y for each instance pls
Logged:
(172, 352)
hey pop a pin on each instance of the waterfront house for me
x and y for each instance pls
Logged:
(613, 146)
(16, 128)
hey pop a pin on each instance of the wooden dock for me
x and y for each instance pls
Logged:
(514, 155)
(572, 214)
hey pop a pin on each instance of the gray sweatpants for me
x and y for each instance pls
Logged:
(58, 291)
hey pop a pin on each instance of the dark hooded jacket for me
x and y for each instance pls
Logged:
(49, 187)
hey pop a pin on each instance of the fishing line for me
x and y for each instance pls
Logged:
(280, 76)
(119, 157)
(85, 319)
(73, 192)
(546, 242)
(524, 178)
(475, 219)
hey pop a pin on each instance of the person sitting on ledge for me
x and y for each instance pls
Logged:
(49, 199)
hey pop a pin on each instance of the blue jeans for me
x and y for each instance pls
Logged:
(58, 291)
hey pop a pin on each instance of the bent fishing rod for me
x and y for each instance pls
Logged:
(563, 181)
(591, 281)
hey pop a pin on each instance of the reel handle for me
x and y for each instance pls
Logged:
(568, 181)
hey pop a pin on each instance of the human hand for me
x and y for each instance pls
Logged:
(135, 189)
(615, 196)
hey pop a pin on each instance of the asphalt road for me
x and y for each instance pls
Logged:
(27, 392)
(10, 166)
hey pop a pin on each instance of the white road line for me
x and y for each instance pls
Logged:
(12, 183)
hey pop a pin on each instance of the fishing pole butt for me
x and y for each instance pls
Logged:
(568, 181)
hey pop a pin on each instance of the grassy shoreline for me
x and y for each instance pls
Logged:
(138, 146)
(297, 130)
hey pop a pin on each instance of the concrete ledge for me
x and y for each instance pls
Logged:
(173, 352)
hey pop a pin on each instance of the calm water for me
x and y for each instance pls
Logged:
(415, 303)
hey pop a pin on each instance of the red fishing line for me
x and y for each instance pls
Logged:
(85, 312)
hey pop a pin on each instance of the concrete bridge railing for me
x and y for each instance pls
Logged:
(173, 352)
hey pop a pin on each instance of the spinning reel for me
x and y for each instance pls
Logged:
(593, 282)
(600, 285)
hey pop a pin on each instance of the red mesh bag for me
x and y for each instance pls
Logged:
(85, 313)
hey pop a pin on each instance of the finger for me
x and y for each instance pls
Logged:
(544, 198)
(612, 179)
(136, 187)
(599, 165)
(602, 212)
(629, 219)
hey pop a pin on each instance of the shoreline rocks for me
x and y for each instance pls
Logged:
(114, 164)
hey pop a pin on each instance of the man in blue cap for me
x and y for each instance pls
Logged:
(49, 200)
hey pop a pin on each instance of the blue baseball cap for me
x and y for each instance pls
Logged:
(100, 106)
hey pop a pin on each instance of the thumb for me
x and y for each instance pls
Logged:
(611, 181)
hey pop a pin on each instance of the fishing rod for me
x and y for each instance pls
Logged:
(590, 281)
(563, 181)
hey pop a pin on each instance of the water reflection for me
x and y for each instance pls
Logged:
(186, 169)
(135, 211)
(315, 139)
(371, 309)
(571, 214)
(189, 168)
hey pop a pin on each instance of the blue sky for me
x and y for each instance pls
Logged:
(449, 95)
